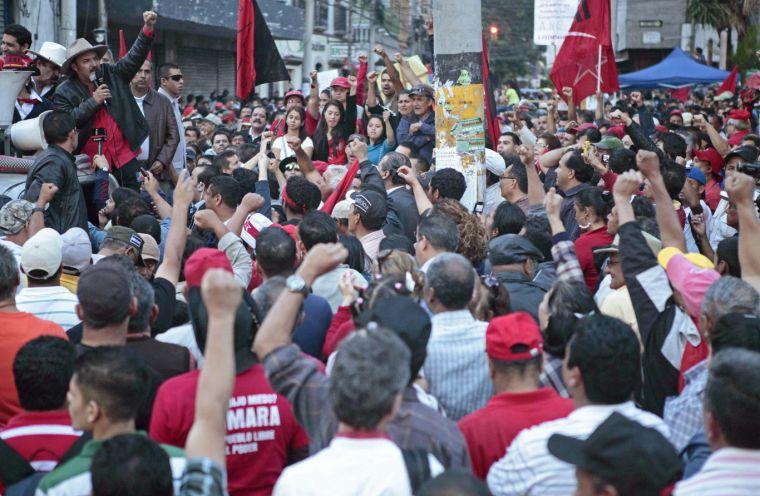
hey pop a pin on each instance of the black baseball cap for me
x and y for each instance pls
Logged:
(405, 318)
(747, 153)
(620, 450)
(510, 249)
(371, 205)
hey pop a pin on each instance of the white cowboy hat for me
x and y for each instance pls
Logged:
(78, 48)
(52, 52)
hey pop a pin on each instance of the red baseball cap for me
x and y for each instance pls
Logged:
(294, 93)
(582, 127)
(201, 262)
(341, 82)
(739, 114)
(711, 156)
(676, 112)
(515, 329)
(660, 128)
(290, 229)
(617, 131)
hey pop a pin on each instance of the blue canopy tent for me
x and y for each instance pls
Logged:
(677, 70)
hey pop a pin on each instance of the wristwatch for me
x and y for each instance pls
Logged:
(296, 284)
(38, 209)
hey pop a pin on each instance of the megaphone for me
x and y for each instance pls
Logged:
(28, 135)
(11, 83)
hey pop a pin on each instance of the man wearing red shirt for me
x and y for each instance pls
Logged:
(513, 346)
(262, 433)
(16, 329)
(42, 433)
(710, 163)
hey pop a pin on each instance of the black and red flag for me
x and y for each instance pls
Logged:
(586, 56)
(493, 126)
(258, 60)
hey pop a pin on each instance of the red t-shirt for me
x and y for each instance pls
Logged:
(16, 329)
(42, 438)
(261, 428)
(712, 194)
(490, 430)
(584, 247)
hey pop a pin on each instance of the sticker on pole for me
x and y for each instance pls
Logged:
(551, 20)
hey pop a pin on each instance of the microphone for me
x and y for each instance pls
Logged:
(96, 77)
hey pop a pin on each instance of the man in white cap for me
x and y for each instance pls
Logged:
(495, 167)
(76, 257)
(98, 97)
(44, 297)
(34, 98)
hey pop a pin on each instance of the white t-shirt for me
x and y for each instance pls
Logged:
(285, 151)
(348, 466)
(145, 146)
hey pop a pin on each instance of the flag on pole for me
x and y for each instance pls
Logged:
(258, 60)
(681, 94)
(122, 45)
(729, 84)
(493, 127)
(586, 59)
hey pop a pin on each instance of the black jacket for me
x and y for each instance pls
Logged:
(524, 294)
(401, 201)
(68, 208)
(38, 109)
(73, 96)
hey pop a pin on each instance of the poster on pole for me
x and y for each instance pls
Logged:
(551, 20)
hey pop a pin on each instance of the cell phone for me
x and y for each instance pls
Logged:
(143, 172)
(478, 208)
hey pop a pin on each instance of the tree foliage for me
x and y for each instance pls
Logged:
(513, 53)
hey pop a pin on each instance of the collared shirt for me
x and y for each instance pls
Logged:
(145, 146)
(529, 469)
(727, 472)
(551, 375)
(53, 303)
(351, 466)
(25, 108)
(414, 426)
(490, 430)
(371, 244)
(493, 198)
(180, 158)
(427, 264)
(683, 413)
(457, 364)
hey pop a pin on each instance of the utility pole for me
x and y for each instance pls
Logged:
(371, 51)
(307, 65)
(102, 15)
(68, 29)
(460, 109)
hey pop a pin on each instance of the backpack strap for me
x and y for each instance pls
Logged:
(14, 467)
(417, 466)
(75, 448)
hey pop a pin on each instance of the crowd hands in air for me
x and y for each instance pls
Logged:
(287, 296)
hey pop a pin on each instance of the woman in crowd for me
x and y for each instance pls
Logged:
(381, 136)
(591, 209)
(295, 122)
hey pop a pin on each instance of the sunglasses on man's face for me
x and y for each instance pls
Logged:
(176, 77)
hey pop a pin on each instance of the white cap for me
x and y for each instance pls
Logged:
(341, 209)
(495, 163)
(77, 249)
(42, 253)
(254, 224)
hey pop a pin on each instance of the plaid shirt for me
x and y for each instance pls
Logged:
(414, 426)
(563, 252)
(683, 413)
(203, 477)
(552, 375)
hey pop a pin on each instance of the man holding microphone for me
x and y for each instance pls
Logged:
(99, 98)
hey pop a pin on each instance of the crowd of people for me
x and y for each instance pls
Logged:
(286, 296)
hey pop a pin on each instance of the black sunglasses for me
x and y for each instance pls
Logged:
(176, 77)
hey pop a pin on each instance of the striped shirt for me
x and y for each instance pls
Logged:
(728, 472)
(529, 468)
(42, 438)
(456, 364)
(54, 303)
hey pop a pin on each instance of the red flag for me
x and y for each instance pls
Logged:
(493, 127)
(729, 84)
(246, 69)
(342, 189)
(122, 45)
(681, 94)
(578, 58)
